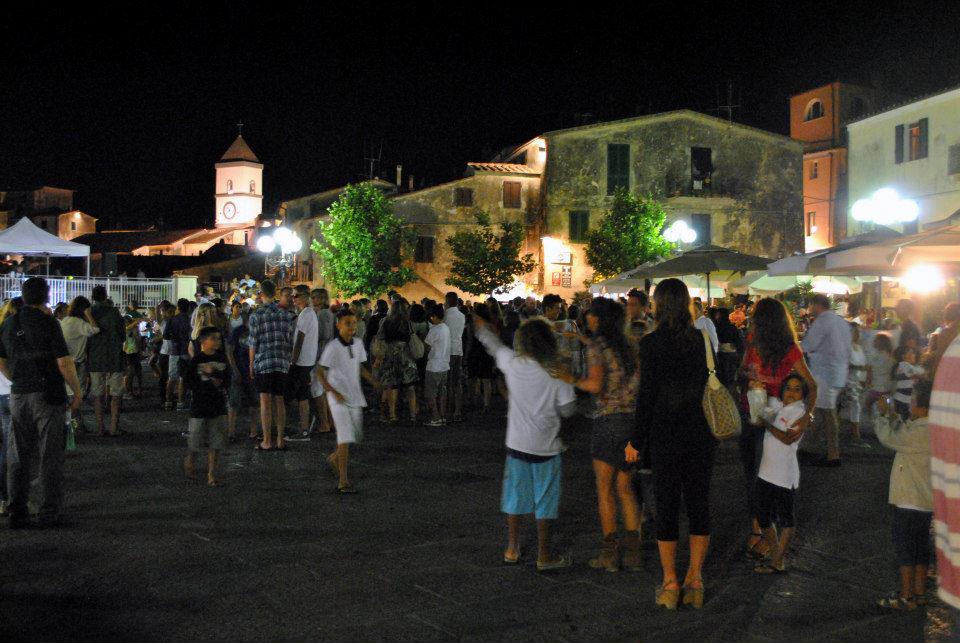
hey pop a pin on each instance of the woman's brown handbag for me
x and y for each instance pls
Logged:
(719, 407)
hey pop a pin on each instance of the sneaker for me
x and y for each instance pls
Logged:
(433, 423)
(299, 437)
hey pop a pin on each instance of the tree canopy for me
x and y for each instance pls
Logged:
(486, 262)
(628, 235)
(365, 248)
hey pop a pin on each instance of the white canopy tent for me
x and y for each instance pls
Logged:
(761, 283)
(24, 238)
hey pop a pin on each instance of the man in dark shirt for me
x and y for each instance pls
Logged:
(178, 331)
(105, 360)
(909, 332)
(373, 326)
(35, 358)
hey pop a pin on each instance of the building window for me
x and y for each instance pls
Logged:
(511, 194)
(811, 223)
(918, 140)
(463, 197)
(579, 226)
(814, 170)
(701, 167)
(229, 186)
(73, 226)
(253, 187)
(424, 250)
(701, 224)
(618, 167)
(953, 160)
(814, 110)
(858, 107)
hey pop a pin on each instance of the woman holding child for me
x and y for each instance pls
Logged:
(772, 354)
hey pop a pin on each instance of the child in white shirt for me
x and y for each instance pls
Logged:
(341, 367)
(438, 366)
(856, 377)
(537, 401)
(779, 472)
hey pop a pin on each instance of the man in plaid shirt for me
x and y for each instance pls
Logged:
(271, 346)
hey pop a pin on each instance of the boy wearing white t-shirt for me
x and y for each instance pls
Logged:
(531, 477)
(341, 367)
(438, 366)
(779, 472)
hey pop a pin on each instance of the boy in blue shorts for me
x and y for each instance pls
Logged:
(531, 477)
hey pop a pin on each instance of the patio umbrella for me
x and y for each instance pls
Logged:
(892, 256)
(761, 283)
(815, 263)
(704, 260)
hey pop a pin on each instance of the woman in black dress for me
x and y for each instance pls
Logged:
(670, 420)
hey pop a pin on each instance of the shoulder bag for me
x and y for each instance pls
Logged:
(719, 407)
(416, 345)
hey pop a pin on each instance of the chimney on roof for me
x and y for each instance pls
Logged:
(399, 177)
(411, 183)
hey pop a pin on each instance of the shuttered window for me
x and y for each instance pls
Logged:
(463, 197)
(953, 160)
(511, 194)
(424, 250)
(898, 144)
(579, 225)
(618, 167)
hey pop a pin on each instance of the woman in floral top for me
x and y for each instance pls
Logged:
(613, 377)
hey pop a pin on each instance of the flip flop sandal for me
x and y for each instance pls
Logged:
(560, 563)
(215, 483)
(767, 568)
(895, 602)
(349, 489)
(512, 561)
(260, 447)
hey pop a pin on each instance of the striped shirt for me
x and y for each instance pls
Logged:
(271, 337)
(945, 471)
(905, 374)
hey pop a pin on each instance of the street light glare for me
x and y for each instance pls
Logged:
(266, 244)
(885, 207)
(680, 231)
(923, 279)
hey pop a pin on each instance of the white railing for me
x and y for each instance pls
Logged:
(147, 292)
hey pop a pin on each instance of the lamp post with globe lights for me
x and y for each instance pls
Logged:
(679, 233)
(283, 242)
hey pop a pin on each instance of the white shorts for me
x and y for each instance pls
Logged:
(827, 396)
(348, 420)
(316, 388)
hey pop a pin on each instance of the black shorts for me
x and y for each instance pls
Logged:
(775, 505)
(609, 438)
(298, 384)
(270, 383)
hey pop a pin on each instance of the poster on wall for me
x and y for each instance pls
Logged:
(555, 279)
(566, 276)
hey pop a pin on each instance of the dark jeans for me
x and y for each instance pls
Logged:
(163, 363)
(36, 427)
(751, 449)
(5, 429)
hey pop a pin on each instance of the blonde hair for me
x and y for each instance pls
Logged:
(206, 316)
(10, 308)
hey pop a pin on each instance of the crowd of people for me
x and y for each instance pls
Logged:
(636, 368)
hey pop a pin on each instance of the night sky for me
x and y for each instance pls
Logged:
(132, 107)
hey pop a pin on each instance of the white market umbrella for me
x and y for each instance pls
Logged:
(940, 246)
(762, 283)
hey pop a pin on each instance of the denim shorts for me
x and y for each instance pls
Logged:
(531, 488)
(609, 438)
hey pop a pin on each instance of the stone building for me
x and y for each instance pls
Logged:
(737, 186)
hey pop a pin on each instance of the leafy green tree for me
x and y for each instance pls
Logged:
(486, 262)
(365, 248)
(628, 235)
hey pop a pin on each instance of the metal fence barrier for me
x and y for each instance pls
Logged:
(147, 292)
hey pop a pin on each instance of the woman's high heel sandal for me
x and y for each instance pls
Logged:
(693, 596)
(667, 597)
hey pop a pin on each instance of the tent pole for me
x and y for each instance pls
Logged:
(879, 300)
(88, 267)
(708, 290)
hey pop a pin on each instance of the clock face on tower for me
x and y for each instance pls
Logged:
(229, 210)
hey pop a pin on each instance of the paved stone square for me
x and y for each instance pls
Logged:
(278, 555)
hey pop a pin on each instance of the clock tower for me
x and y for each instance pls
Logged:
(239, 189)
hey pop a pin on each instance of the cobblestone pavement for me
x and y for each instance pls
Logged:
(278, 555)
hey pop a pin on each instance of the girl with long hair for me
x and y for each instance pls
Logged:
(78, 326)
(396, 369)
(772, 353)
(612, 378)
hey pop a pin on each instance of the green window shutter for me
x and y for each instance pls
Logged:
(618, 167)
(579, 225)
(924, 124)
(898, 144)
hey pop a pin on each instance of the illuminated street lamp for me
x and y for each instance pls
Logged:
(885, 207)
(680, 232)
(285, 243)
